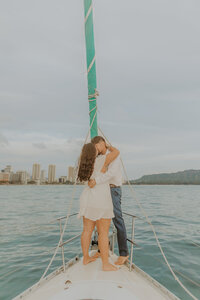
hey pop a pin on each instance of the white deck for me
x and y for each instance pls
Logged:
(91, 283)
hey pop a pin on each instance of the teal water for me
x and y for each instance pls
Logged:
(27, 239)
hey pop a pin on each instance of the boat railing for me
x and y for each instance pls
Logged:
(133, 217)
(62, 243)
(130, 240)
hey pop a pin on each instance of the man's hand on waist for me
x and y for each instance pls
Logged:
(91, 183)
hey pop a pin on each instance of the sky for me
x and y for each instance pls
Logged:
(148, 77)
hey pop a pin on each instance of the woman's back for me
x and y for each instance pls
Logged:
(99, 162)
(96, 202)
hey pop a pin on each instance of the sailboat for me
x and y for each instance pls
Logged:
(75, 281)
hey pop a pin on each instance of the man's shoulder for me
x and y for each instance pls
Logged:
(116, 161)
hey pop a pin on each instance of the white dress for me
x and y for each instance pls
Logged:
(96, 202)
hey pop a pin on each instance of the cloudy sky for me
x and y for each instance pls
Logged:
(148, 72)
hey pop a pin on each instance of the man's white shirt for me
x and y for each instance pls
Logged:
(113, 175)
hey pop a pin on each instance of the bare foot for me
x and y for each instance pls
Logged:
(96, 255)
(121, 260)
(109, 267)
(87, 260)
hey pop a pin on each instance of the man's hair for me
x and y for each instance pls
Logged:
(95, 140)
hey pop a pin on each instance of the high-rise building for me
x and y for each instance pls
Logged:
(23, 176)
(19, 177)
(42, 176)
(36, 172)
(71, 174)
(52, 173)
(15, 178)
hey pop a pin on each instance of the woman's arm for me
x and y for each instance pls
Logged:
(114, 152)
(111, 172)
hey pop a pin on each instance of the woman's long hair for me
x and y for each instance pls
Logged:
(86, 166)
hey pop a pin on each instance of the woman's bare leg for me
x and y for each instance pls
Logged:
(88, 227)
(103, 226)
(97, 254)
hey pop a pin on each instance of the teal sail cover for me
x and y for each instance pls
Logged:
(91, 66)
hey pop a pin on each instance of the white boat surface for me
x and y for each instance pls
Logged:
(89, 282)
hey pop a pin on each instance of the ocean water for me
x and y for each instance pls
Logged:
(28, 235)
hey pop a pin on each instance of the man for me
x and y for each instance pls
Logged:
(114, 177)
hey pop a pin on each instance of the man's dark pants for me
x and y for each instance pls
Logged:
(118, 221)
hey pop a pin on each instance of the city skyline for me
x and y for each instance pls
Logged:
(8, 174)
(148, 79)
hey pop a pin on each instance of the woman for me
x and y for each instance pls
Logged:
(96, 206)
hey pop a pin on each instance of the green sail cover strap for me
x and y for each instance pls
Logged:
(91, 66)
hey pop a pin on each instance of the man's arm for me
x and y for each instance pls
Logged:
(110, 157)
(105, 177)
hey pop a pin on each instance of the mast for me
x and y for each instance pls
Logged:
(91, 66)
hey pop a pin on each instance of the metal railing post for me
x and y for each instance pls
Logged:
(62, 247)
(132, 239)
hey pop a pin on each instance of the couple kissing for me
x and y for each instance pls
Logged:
(100, 201)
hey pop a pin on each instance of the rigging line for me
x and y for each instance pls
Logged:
(14, 261)
(35, 230)
(162, 262)
(70, 206)
(172, 233)
(25, 236)
(181, 239)
(190, 230)
(18, 268)
(21, 267)
(197, 245)
(28, 231)
(187, 278)
(62, 233)
(147, 218)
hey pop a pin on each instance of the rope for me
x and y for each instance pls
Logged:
(88, 13)
(172, 233)
(162, 262)
(70, 205)
(10, 272)
(65, 225)
(179, 239)
(95, 95)
(90, 99)
(152, 227)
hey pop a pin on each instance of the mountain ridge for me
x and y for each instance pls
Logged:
(190, 176)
